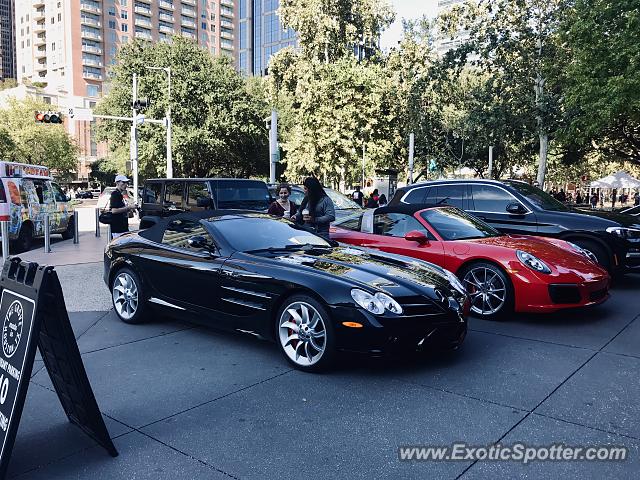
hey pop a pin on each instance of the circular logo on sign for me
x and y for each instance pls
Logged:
(12, 329)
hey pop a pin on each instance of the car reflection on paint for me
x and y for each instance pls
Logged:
(255, 273)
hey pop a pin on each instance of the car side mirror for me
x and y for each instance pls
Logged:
(515, 208)
(205, 202)
(416, 236)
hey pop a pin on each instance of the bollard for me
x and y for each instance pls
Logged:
(4, 231)
(76, 228)
(97, 222)
(47, 234)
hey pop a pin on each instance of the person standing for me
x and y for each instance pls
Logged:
(283, 207)
(373, 201)
(119, 209)
(358, 196)
(382, 201)
(316, 210)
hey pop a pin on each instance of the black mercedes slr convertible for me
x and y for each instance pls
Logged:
(255, 273)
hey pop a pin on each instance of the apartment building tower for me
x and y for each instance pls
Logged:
(7, 39)
(67, 46)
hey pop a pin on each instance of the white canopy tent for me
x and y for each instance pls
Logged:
(616, 180)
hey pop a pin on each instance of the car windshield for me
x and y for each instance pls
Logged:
(258, 233)
(242, 194)
(538, 197)
(340, 202)
(454, 224)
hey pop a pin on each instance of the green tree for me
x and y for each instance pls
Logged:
(602, 38)
(517, 44)
(29, 142)
(218, 126)
(327, 29)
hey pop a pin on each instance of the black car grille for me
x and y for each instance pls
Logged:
(564, 293)
(598, 294)
(418, 306)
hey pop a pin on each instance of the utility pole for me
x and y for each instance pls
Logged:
(490, 161)
(169, 146)
(363, 159)
(274, 152)
(133, 149)
(411, 147)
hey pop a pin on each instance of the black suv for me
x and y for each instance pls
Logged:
(516, 207)
(169, 196)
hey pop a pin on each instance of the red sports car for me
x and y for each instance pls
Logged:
(501, 273)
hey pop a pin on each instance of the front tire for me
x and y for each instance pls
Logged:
(305, 334)
(490, 289)
(127, 296)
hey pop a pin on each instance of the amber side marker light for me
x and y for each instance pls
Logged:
(352, 324)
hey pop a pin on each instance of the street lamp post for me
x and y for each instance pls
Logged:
(167, 70)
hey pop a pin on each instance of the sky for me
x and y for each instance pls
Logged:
(408, 9)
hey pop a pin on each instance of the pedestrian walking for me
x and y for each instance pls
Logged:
(358, 196)
(316, 210)
(119, 209)
(594, 201)
(283, 207)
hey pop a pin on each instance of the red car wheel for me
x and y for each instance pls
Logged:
(490, 290)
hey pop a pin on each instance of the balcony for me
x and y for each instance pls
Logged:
(142, 22)
(226, 13)
(190, 2)
(226, 35)
(165, 17)
(91, 75)
(39, 27)
(165, 5)
(188, 35)
(142, 10)
(90, 21)
(187, 23)
(41, 52)
(189, 12)
(40, 40)
(38, 3)
(226, 24)
(143, 35)
(39, 14)
(145, 1)
(166, 29)
(227, 3)
(92, 49)
(88, 7)
(90, 34)
(40, 67)
(92, 62)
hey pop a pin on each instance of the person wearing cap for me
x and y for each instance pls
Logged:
(119, 209)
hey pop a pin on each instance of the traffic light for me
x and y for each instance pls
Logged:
(48, 117)
(141, 104)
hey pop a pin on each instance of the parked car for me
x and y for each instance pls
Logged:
(105, 197)
(512, 206)
(343, 205)
(95, 192)
(164, 197)
(264, 275)
(501, 273)
(28, 193)
(84, 194)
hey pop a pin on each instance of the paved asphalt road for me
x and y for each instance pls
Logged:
(183, 402)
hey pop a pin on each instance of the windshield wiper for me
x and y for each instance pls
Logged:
(305, 247)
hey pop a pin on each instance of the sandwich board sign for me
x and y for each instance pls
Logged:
(33, 315)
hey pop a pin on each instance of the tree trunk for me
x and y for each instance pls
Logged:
(542, 165)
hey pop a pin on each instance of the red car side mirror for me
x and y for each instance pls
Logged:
(416, 236)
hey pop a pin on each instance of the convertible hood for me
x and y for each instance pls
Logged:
(400, 276)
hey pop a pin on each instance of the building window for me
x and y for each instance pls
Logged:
(28, 42)
(213, 27)
(204, 25)
(112, 24)
(124, 15)
(123, 3)
(59, 4)
(112, 11)
(47, 100)
(53, 20)
(125, 38)
(53, 47)
(125, 27)
(93, 90)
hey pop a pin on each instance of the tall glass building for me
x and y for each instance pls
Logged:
(260, 35)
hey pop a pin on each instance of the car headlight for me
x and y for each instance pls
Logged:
(376, 303)
(533, 262)
(632, 234)
(455, 282)
(389, 303)
(584, 252)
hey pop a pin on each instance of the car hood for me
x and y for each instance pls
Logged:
(555, 253)
(620, 218)
(399, 276)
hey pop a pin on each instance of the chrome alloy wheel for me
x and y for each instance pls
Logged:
(487, 291)
(125, 296)
(302, 333)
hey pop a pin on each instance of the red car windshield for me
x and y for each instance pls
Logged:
(454, 224)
